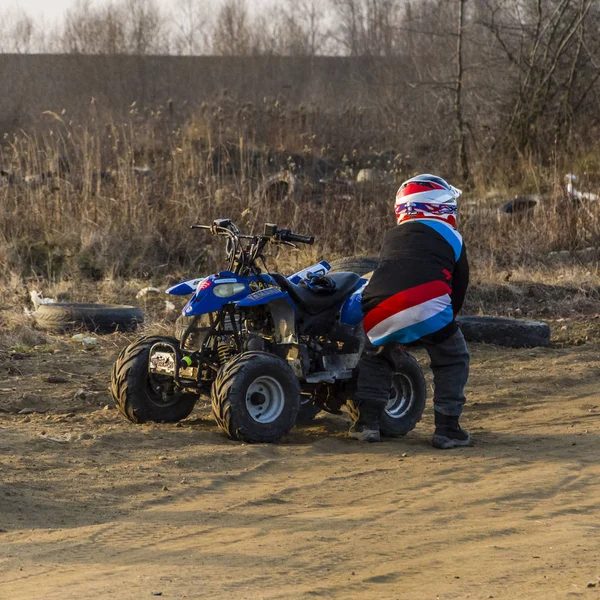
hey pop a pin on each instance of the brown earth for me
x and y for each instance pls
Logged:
(92, 506)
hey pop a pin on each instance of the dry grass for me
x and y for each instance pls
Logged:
(106, 202)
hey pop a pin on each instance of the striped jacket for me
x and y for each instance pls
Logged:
(419, 286)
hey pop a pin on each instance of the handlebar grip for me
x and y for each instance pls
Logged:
(296, 237)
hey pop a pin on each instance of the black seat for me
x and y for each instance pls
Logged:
(314, 303)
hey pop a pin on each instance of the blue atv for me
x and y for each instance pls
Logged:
(270, 350)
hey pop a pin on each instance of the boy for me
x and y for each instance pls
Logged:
(414, 295)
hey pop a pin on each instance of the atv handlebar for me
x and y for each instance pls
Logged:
(272, 232)
(285, 235)
(245, 251)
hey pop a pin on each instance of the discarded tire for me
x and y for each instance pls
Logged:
(283, 187)
(513, 333)
(355, 264)
(101, 318)
(522, 206)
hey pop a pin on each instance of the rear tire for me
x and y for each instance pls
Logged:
(256, 398)
(407, 402)
(355, 264)
(132, 388)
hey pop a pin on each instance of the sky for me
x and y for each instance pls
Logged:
(52, 10)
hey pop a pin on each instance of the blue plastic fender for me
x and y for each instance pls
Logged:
(205, 300)
(185, 288)
(263, 297)
(352, 313)
(318, 269)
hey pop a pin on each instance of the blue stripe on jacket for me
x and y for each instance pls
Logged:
(418, 330)
(446, 231)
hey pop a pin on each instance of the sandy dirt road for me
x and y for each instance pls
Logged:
(94, 507)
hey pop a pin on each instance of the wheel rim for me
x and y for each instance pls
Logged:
(401, 397)
(265, 399)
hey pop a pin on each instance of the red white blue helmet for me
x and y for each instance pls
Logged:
(427, 197)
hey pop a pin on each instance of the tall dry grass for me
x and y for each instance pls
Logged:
(105, 199)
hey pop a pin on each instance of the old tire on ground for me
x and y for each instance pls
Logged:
(133, 390)
(282, 187)
(407, 399)
(514, 333)
(256, 398)
(355, 264)
(101, 318)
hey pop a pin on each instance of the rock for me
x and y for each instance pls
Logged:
(165, 488)
(592, 584)
(26, 411)
(86, 436)
(404, 454)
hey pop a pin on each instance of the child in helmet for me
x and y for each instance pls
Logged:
(414, 295)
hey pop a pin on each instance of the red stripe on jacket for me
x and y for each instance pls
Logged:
(405, 299)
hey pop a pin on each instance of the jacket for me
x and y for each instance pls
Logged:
(419, 286)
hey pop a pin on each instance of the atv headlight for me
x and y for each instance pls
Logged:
(225, 290)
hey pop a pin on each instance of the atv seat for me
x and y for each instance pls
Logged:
(314, 303)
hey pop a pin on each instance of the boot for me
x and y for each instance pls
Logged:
(366, 429)
(448, 433)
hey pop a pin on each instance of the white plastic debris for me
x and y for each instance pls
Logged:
(146, 291)
(37, 299)
(63, 439)
(88, 341)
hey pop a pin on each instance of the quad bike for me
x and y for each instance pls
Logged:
(270, 350)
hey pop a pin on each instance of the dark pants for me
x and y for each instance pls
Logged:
(449, 363)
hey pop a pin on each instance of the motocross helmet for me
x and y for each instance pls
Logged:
(427, 197)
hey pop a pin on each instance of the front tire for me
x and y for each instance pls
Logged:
(134, 391)
(256, 398)
(407, 398)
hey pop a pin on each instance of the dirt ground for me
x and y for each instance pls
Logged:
(92, 506)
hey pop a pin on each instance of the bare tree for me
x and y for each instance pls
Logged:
(124, 27)
(552, 54)
(458, 106)
(191, 27)
(232, 34)
(304, 30)
(368, 27)
(18, 33)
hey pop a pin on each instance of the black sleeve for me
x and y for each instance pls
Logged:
(460, 281)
